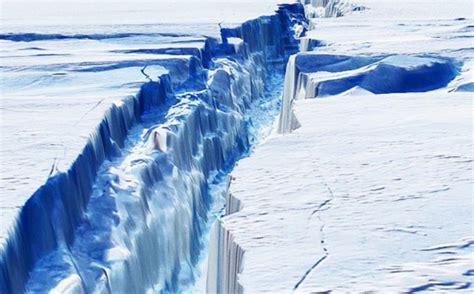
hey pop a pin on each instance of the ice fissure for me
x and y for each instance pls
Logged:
(318, 211)
(131, 213)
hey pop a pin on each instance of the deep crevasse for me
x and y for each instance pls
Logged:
(129, 214)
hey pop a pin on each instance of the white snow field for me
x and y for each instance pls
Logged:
(368, 185)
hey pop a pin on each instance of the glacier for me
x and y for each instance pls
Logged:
(127, 207)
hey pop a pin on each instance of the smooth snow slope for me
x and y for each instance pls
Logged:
(370, 188)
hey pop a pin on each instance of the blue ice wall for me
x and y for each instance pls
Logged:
(96, 229)
(49, 217)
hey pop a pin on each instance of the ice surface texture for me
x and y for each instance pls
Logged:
(128, 214)
(379, 188)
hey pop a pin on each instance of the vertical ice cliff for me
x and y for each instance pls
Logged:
(329, 8)
(288, 119)
(297, 82)
(226, 256)
(129, 214)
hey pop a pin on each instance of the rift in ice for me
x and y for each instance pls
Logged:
(236, 146)
(132, 212)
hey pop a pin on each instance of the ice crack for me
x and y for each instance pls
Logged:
(309, 271)
(145, 74)
(318, 211)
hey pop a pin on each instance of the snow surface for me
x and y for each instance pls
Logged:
(370, 188)
(143, 15)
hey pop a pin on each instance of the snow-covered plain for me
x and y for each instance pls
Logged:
(370, 186)
(376, 188)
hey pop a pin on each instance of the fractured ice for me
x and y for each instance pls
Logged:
(130, 212)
